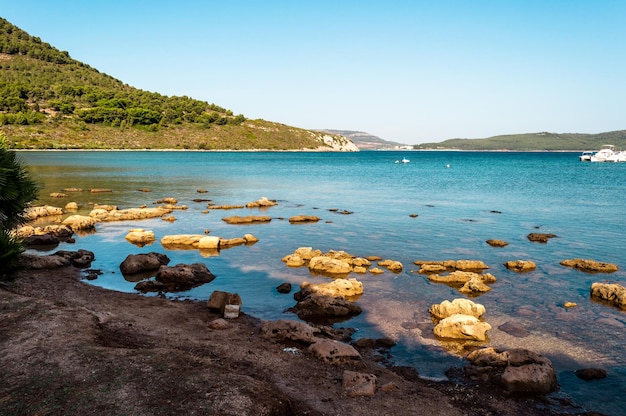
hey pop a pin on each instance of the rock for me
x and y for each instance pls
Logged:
(588, 374)
(591, 266)
(57, 195)
(303, 218)
(208, 242)
(460, 326)
(219, 300)
(213, 206)
(497, 243)
(80, 258)
(62, 258)
(376, 270)
(514, 329)
(334, 352)
(80, 222)
(41, 240)
(231, 242)
(144, 262)
(183, 276)
(284, 288)
(320, 308)
(246, 220)
(191, 240)
(140, 237)
(517, 370)
(289, 330)
(231, 311)
(358, 384)
(249, 238)
(611, 292)
(457, 277)
(261, 203)
(323, 264)
(457, 306)
(338, 287)
(520, 265)
(71, 206)
(130, 214)
(100, 190)
(293, 260)
(432, 268)
(470, 265)
(219, 324)
(451, 265)
(474, 286)
(32, 213)
(568, 305)
(391, 265)
(72, 189)
(539, 237)
(167, 200)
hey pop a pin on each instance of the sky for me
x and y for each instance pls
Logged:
(405, 71)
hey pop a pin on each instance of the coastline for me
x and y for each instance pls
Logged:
(72, 348)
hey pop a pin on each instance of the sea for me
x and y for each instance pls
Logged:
(442, 205)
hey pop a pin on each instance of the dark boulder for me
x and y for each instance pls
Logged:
(140, 263)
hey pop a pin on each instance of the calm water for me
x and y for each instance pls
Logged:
(478, 197)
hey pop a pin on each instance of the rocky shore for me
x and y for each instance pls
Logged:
(70, 348)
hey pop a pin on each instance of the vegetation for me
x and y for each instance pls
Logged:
(50, 101)
(17, 190)
(535, 141)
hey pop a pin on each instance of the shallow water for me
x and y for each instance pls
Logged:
(481, 195)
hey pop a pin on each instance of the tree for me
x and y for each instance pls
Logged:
(17, 191)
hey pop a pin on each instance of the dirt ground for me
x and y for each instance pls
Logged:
(70, 348)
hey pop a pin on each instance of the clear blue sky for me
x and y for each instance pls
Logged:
(407, 71)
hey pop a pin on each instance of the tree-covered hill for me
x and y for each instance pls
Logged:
(535, 141)
(49, 100)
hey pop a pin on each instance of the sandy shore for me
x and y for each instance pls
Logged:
(70, 348)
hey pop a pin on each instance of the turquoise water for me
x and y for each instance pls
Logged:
(480, 196)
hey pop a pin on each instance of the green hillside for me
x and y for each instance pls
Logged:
(50, 101)
(535, 141)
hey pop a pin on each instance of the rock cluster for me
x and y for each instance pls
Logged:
(516, 370)
(62, 258)
(610, 292)
(459, 320)
(590, 266)
(336, 263)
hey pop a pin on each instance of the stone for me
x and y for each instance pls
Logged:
(391, 265)
(247, 220)
(183, 276)
(610, 292)
(57, 195)
(334, 352)
(517, 370)
(167, 200)
(376, 270)
(71, 206)
(261, 203)
(140, 237)
(41, 240)
(497, 243)
(540, 237)
(320, 308)
(289, 330)
(470, 265)
(207, 242)
(358, 384)
(143, 262)
(303, 218)
(590, 266)
(130, 214)
(459, 326)
(520, 265)
(231, 242)
(338, 287)
(473, 286)
(32, 213)
(284, 288)
(461, 277)
(231, 311)
(293, 260)
(249, 238)
(589, 374)
(219, 324)
(323, 264)
(220, 299)
(457, 306)
(192, 240)
(80, 222)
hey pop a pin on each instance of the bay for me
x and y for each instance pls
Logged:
(367, 204)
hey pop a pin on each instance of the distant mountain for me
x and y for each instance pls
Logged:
(50, 101)
(534, 141)
(365, 141)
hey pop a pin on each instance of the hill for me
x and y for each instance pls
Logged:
(50, 101)
(365, 141)
(535, 141)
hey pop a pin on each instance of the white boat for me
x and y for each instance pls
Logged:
(617, 157)
(586, 156)
(603, 154)
(404, 160)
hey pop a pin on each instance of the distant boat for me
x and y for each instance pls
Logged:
(404, 160)
(586, 156)
(603, 154)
